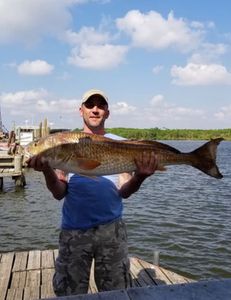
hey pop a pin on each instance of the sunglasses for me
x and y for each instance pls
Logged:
(90, 104)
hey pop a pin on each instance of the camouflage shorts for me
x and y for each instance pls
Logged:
(107, 244)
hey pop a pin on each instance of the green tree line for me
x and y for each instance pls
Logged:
(171, 134)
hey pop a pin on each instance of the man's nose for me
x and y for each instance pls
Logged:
(95, 108)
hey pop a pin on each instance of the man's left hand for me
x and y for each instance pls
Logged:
(146, 163)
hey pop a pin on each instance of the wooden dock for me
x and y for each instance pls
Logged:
(28, 275)
(11, 166)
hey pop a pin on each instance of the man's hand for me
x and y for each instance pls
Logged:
(38, 163)
(56, 180)
(146, 164)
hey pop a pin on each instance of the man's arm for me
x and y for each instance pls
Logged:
(56, 181)
(146, 166)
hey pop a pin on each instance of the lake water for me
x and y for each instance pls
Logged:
(182, 213)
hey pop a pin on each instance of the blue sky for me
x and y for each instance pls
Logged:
(163, 64)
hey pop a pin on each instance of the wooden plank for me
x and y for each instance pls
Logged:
(47, 291)
(7, 258)
(140, 274)
(31, 293)
(134, 273)
(33, 278)
(34, 260)
(56, 253)
(5, 272)
(18, 280)
(154, 272)
(173, 277)
(47, 275)
(9, 173)
(47, 259)
(20, 261)
(46, 285)
(15, 294)
(92, 285)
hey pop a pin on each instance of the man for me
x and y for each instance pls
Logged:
(92, 225)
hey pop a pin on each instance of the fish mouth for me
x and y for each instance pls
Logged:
(26, 156)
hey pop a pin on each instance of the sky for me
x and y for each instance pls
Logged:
(162, 63)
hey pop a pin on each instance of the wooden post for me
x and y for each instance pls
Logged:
(18, 163)
(156, 257)
(40, 129)
(20, 179)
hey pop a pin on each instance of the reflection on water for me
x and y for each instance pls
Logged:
(182, 213)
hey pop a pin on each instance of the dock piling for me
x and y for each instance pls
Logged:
(156, 257)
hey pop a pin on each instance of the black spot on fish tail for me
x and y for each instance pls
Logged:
(204, 158)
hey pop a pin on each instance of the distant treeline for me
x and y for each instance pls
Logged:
(171, 134)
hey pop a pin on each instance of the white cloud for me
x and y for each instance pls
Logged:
(157, 69)
(36, 67)
(224, 113)
(122, 108)
(35, 105)
(22, 98)
(159, 113)
(157, 100)
(36, 102)
(39, 99)
(65, 106)
(208, 53)
(93, 50)
(152, 31)
(64, 76)
(197, 25)
(201, 74)
(97, 56)
(163, 112)
(87, 35)
(27, 21)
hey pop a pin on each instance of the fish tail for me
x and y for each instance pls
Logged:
(205, 158)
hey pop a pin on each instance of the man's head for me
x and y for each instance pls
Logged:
(94, 110)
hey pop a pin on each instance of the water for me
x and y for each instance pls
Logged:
(182, 213)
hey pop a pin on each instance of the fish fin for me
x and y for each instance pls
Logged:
(205, 158)
(151, 144)
(86, 164)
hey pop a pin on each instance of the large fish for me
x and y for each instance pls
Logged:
(95, 155)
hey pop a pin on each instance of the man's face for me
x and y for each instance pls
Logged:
(94, 112)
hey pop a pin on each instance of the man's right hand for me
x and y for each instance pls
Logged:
(38, 163)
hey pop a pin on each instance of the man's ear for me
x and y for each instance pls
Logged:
(108, 114)
(81, 111)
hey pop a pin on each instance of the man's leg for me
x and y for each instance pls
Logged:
(112, 267)
(72, 266)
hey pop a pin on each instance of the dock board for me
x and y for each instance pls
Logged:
(28, 275)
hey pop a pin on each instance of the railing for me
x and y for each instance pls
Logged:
(11, 166)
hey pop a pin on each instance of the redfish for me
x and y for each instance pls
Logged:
(96, 155)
